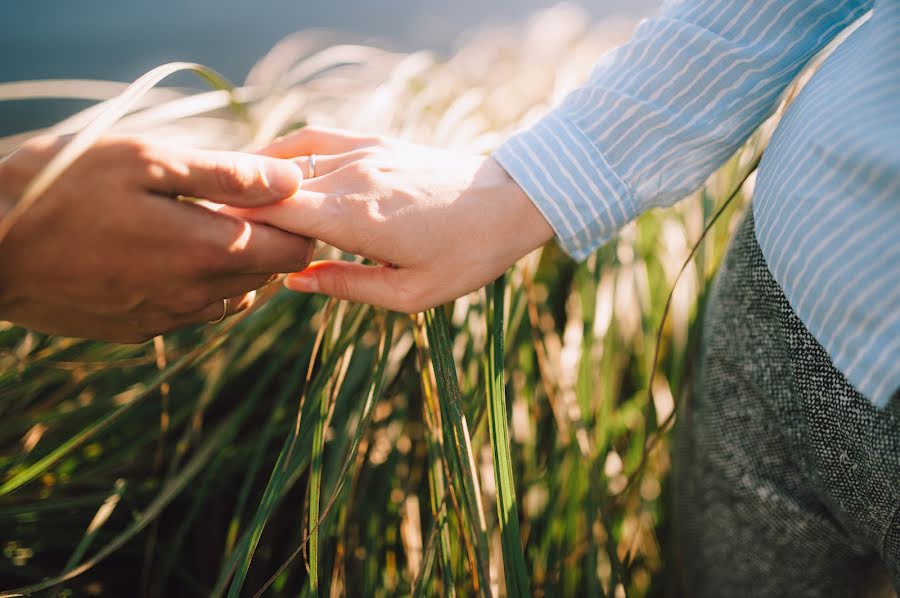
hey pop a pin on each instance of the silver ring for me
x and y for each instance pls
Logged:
(311, 169)
(224, 312)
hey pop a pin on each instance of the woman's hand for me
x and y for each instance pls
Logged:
(107, 252)
(439, 223)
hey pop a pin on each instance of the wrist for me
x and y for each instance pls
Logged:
(526, 222)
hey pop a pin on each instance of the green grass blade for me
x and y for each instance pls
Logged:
(97, 522)
(374, 393)
(288, 460)
(437, 492)
(42, 465)
(291, 382)
(517, 583)
(315, 492)
(216, 440)
(457, 441)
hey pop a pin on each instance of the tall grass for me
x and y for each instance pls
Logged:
(505, 444)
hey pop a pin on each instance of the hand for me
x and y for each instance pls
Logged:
(107, 252)
(441, 224)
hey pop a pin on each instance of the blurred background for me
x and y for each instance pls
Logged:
(109, 39)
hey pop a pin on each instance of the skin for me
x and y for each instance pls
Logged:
(439, 224)
(108, 253)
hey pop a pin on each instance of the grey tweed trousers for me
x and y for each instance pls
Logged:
(787, 480)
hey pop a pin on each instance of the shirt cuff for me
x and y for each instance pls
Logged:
(569, 181)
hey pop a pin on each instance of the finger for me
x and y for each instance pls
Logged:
(326, 164)
(219, 244)
(232, 286)
(233, 178)
(376, 285)
(318, 140)
(307, 213)
(268, 250)
(50, 319)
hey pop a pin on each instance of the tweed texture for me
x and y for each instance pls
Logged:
(787, 480)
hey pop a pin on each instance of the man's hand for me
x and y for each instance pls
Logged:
(441, 224)
(108, 253)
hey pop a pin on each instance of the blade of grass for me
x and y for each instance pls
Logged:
(421, 584)
(517, 583)
(42, 465)
(375, 388)
(291, 382)
(217, 439)
(274, 366)
(437, 492)
(315, 491)
(102, 516)
(288, 460)
(456, 436)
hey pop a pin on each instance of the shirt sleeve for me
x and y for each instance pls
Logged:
(661, 113)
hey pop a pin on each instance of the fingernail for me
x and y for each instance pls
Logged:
(304, 284)
(283, 177)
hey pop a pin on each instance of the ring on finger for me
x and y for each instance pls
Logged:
(224, 312)
(311, 168)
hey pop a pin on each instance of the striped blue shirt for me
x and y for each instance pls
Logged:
(661, 113)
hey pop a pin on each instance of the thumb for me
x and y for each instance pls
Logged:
(383, 286)
(233, 178)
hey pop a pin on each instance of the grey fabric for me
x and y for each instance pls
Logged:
(787, 480)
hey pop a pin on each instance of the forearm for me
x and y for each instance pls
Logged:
(659, 114)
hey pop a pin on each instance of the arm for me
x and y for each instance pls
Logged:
(657, 116)
(662, 112)
(107, 253)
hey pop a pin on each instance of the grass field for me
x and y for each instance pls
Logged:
(506, 444)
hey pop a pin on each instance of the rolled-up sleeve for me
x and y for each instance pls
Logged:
(662, 112)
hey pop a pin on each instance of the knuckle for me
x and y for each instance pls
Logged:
(358, 169)
(364, 171)
(336, 284)
(232, 179)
